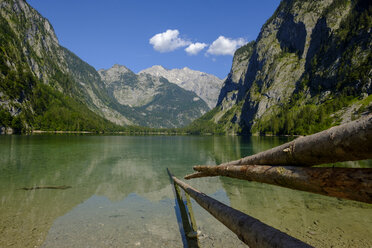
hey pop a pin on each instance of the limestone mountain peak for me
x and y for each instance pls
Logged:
(206, 86)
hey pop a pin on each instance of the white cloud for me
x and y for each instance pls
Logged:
(225, 46)
(168, 41)
(195, 48)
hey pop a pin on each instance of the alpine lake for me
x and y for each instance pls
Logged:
(117, 193)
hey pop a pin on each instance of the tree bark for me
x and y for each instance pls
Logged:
(348, 183)
(250, 230)
(348, 142)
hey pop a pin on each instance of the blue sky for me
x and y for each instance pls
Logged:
(140, 34)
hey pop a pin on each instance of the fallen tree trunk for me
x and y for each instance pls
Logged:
(349, 142)
(250, 230)
(348, 183)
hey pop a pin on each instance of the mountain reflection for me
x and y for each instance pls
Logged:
(109, 166)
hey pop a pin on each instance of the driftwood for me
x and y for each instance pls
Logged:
(348, 142)
(250, 230)
(47, 187)
(348, 183)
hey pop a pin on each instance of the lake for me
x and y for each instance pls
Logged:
(121, 195)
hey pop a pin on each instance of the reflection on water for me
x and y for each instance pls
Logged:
(121, 195)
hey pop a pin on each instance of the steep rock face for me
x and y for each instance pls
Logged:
(205, 85)
(154, 100)
(228, 105)
(310, 63)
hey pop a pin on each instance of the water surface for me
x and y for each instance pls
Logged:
(121, 196)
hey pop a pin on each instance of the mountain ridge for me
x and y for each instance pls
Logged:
(206, 86)
(158, 102)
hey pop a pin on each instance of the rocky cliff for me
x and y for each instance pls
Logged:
(308, 69)
(154, 100)
(205, 85)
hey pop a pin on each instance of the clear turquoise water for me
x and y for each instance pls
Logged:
(121, 196)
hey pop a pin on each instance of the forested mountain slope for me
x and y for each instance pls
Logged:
(43, 85)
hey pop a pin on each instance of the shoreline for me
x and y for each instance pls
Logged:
(40, 132)
(103, 133)
(58, 132)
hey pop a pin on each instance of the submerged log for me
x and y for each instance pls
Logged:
(188, 226)
(348, 142)
(348, 183)
(250, 230)
(189, 230)
(46, 187)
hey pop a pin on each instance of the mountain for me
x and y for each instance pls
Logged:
(308, 69)
(44, 85)
(155, 101)
(206, 86)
